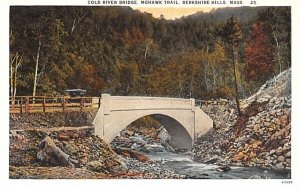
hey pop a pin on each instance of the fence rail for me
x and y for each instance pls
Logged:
(26, 104)
(201, 103)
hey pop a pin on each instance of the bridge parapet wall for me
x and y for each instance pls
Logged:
(120, 103)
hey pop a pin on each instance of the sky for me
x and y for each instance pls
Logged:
(172, 12)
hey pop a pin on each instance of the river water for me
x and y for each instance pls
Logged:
(182, 164)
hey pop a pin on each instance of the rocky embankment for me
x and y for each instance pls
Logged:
(67, 153)
(40, 147)
(260, 137)
(90, 156)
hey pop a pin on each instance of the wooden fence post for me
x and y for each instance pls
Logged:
(21, 105)
(12, 101)
(26, 105)
(44, 104)
(81, 104)
(63, 104)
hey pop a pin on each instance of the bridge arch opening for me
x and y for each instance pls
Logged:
(179, 136)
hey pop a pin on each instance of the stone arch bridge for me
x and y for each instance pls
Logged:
(182, 119)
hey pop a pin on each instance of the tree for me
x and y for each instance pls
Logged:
(93, 83)
(128, 77)
(36, 65)
(78, 16)
(278, 22)
(16, 61)
(147, 42)
(232, 35)
(39, 34)
(259, 54)
(216, 65)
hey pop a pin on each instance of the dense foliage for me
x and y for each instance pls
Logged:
(122, 51)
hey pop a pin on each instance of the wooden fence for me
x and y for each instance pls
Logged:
(219, 102)
(26, 104)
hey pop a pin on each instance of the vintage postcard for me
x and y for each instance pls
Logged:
(151, 90)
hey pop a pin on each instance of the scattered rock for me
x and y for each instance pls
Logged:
(131, 153)
(211, 161)
(53, 155)
(279, 150)
(281, 158)
(224, 168)
(96, 166)
(128, 133)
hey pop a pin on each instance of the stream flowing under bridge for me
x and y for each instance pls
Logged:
(184, 121)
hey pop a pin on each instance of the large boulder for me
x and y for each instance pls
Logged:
(53, 155)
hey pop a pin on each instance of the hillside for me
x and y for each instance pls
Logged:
(260, 137)
(122, 51)
(244, 14)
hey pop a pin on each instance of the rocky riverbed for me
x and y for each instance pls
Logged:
(163, 162)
